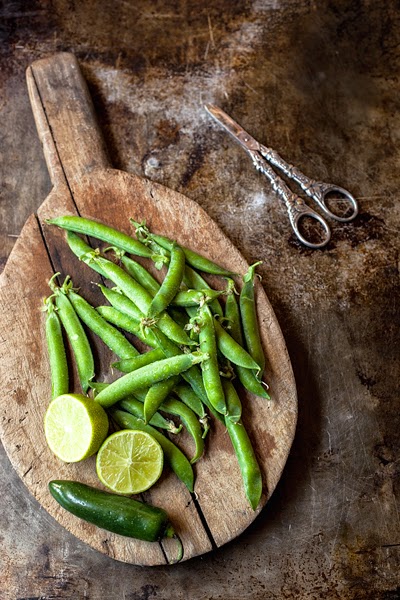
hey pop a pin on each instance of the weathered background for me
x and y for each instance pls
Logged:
(318, 81)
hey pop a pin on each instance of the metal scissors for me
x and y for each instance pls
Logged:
(296, 207)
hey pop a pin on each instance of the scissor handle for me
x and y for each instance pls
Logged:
(319, 191)
(297, 211)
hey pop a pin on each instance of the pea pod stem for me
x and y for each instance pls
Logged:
(56, 351)
(147, 376)
(173, 455)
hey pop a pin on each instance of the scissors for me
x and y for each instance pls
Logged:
(296, 207)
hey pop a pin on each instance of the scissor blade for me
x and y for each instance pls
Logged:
(240, 135)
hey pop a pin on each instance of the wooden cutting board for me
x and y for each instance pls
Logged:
(85, 184)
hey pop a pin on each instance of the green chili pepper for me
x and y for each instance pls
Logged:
(119, 514)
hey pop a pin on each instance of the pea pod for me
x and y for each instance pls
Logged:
(232, 350)
(193, 258)
(193, 280)
(156, 395)
(246, 376)
(249, 319)
(170, 284)
(249, 467)
(119, 514)
(81, 250)
(141, 274)
(121, 302)
(112, 338)
(210, 368)
(190, 297)
(141, 297)
(56, 352)
(190, 421)
(147, 376)
(127, 323)
(135, 407)
(101, 232)
(233, 403)
(173, 455)
(77, 338)
(131, 364)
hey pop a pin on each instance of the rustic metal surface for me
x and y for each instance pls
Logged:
(319, 82)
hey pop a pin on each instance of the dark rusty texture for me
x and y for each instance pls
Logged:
(319, 82)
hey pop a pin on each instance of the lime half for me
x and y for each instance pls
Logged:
(129, 461)
(75, 427)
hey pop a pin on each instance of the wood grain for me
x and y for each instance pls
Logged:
(86, 185)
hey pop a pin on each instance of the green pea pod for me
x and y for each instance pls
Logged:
(210, 367)
(147, 376)
(135, 407)
(191, 422)
(249, 467)
(141, 297)
(194, 280)
(141, 274)
(56, 352)
(156, 395)
(233, 403)
(249, 319)
(246, 377)
(121, 302)
(232, 350)
(81, 250)
(175, 457)
(195, 260)
(170, 284)
(77, 338)
(119, 514)
(189, 397)
(190, 297)
(127, 323)
(101, 232)
(192, 376)
(112, 338)
(131, 364)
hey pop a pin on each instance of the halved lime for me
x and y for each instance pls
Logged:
(75, 427)
(129, 461)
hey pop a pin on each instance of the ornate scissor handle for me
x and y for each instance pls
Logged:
(296, 207)
(317, 190)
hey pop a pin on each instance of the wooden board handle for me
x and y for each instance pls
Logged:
(65, 119)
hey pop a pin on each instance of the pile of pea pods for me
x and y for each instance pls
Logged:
(201, 343)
